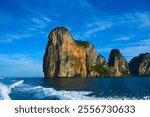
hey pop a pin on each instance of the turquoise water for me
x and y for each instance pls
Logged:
(75, 88)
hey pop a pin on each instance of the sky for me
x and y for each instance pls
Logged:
(107, 24)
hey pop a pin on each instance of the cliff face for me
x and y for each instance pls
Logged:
(118, 63)
(140, 66)
(65, 57)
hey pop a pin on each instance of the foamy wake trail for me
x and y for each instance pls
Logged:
(6, 90)
(42, 93)
(16, 84)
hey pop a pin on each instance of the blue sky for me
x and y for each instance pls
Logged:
(107, 24)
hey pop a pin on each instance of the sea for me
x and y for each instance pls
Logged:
(131, 88)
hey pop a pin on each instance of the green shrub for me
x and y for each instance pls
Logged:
(125, 73)
(101, 70)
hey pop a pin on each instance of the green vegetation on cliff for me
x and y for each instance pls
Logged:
(103, 71)
(125, 73)
(82, 43)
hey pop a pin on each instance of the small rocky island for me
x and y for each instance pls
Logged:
(66, 57)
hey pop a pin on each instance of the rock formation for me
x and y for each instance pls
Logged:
(118, 63)
(140, 66)
(101, 60)
(65, 57)
(101, 68)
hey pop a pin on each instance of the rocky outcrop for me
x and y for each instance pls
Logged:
(65, 57)
(101, 68)
(118, 63)
(101, 61)
(140, 66)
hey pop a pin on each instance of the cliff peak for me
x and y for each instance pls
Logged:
(113, 54)
(66, 57)
(118, 63)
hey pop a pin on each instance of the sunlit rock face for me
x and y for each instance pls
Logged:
(118, 63)
(66, 57)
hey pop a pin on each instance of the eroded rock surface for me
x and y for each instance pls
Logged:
(140, 66)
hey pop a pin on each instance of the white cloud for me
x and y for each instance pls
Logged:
(145, 42)
(104, 50)
(98, 26)
(11, 37)
(129, 50)
(23, 27)
(40, 22)
(123, 38)
(132, 51)
(33, 24)
(137, 19)
(18, 65)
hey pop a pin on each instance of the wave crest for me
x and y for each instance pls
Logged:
(6, 90)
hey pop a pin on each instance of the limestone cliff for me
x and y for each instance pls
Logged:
(140, 66)
(65, 57)
(118, 63)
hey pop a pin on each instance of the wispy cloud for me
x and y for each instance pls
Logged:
(11, 37)
(97, 26)
(139, 19)
(19, 65)
(123, 38)
(40, 22)
(129, 50)
(135, 20)
(22, 27)
(133, 49)
(104, 50)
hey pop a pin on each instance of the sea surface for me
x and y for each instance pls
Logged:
(137, 88)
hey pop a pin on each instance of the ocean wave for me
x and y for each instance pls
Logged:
(16, 84)
(40, 92)
(6, 90)
(44, 93)
(146, 97)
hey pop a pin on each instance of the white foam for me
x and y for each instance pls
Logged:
(6, 90)
(16, 84)
(146, 97)
(41, 92)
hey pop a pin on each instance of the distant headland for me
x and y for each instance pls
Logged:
(67, 57)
